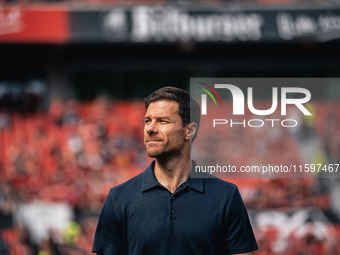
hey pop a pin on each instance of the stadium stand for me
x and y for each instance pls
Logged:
(77, 151)
(57, 165)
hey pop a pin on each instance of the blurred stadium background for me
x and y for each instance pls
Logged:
(73, 75)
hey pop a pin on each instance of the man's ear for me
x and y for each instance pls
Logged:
(191, 131)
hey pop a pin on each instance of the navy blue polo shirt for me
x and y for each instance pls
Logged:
(203, 216)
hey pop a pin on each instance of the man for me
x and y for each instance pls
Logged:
(163, 211)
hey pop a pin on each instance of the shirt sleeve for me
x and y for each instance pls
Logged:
(239, 234)
(108, 238)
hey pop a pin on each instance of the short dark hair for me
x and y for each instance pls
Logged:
(188, 106)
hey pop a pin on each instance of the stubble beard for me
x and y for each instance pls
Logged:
(166, 152)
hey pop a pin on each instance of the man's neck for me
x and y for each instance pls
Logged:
(172, 172)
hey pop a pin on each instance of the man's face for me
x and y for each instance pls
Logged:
(164, 134)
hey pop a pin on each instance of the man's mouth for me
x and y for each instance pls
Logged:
(153, 141)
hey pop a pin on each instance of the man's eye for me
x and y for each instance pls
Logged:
(164, 121)
(146, 121)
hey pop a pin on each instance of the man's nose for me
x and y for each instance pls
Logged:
(151, 127)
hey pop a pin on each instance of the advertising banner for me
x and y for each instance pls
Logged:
(166, 24)
(30, 24)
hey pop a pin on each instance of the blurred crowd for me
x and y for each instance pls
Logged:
(75, 152)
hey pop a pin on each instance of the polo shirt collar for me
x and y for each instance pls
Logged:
(149, 180)
(195, 183)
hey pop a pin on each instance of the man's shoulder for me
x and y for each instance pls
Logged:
(212, 182)
(128, 187)
(220, 185)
